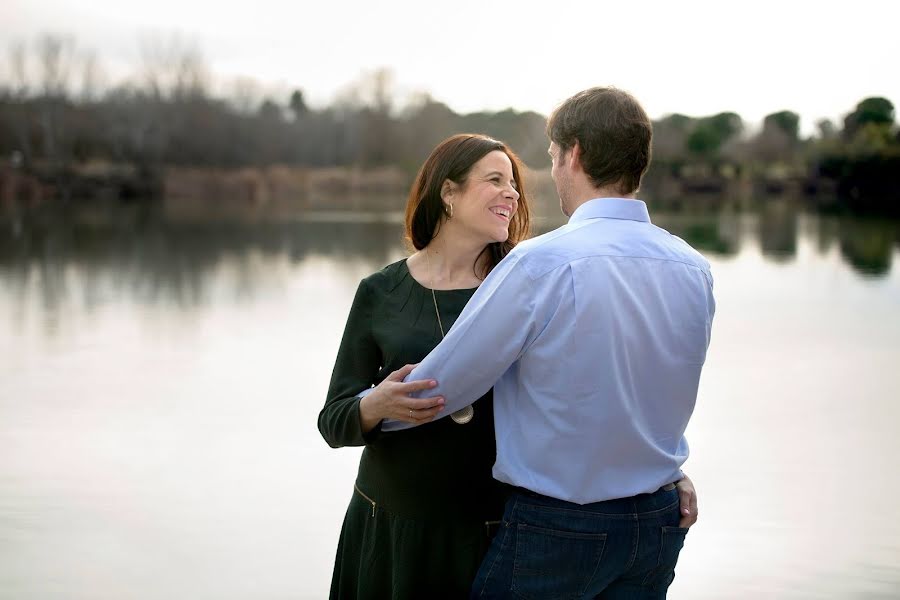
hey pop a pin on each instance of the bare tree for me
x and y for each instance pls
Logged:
(371, 101)
(18, 62)
(173, 68)
(246, 95)
(20, 117)
(92, 77)
(56, 57)
(379, 90)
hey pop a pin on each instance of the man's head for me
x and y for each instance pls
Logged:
(600, 139)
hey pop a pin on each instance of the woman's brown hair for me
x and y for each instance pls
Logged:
(453, 159)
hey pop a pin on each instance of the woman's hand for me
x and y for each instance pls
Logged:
(390, 400)
(688, 497)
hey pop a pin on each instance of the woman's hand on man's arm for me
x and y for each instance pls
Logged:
(390, 400)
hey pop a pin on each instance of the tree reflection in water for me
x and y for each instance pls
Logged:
(157, 260)
(154, 258)
(867, 245)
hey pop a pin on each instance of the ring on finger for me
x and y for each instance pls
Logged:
(410, 413)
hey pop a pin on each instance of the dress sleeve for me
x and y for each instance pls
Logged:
(358, 361)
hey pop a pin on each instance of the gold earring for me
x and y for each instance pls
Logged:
(448, 210)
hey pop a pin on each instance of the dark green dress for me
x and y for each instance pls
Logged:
(416, 526)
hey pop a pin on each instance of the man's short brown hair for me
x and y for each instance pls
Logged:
(614, 134)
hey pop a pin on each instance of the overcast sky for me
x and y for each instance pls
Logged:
(695, 57)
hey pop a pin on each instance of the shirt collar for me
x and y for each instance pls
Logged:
(611, 208)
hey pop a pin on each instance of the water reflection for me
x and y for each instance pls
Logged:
(158, 259)
(778, 231)
(715, 234)
(162, 376)
(867, 245)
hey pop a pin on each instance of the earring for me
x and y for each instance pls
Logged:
(448, 210)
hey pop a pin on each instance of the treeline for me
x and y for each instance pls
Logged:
(860, 159)
(57, 114)
(53, 112)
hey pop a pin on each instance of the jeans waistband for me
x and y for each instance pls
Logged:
(641, 503)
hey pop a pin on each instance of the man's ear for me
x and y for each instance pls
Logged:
(575, 153)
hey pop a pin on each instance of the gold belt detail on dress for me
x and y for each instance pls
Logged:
(360, 492)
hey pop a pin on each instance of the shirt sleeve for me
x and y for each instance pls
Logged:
(358, 361)
(490, 334)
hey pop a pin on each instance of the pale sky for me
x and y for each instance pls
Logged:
(695, 57)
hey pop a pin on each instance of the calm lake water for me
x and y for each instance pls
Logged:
(160, 381)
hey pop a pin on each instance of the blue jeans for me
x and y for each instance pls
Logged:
(548, 549)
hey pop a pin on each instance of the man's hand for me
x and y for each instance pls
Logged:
(688, 496)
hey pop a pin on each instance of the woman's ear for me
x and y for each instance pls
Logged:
(448, 189)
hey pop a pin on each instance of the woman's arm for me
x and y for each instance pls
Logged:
(348, 419)
(355, 369)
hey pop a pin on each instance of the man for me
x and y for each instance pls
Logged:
(593, 336)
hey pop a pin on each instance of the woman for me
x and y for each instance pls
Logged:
(424, 501)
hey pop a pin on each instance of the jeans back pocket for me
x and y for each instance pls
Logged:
(671, 543)
(551, 564)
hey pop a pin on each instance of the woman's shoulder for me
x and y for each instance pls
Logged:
(388, 278)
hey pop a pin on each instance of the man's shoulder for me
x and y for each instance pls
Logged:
(539, 243)
(677, 249)
(543, 253)
(605, 239)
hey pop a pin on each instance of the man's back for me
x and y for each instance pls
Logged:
(597, 403)
(601, 334)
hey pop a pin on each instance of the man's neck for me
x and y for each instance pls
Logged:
(589, 193)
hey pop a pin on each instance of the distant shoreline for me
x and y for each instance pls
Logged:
(290, 192)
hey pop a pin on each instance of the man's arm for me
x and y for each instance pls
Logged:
(496, 326)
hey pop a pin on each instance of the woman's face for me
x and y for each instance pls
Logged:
(485, 204)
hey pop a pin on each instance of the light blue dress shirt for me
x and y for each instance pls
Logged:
(593, 337)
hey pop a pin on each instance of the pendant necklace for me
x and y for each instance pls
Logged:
(463, 415)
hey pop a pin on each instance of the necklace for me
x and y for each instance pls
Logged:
(463, 415)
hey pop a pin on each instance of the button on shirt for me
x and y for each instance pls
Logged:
(593, 337)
